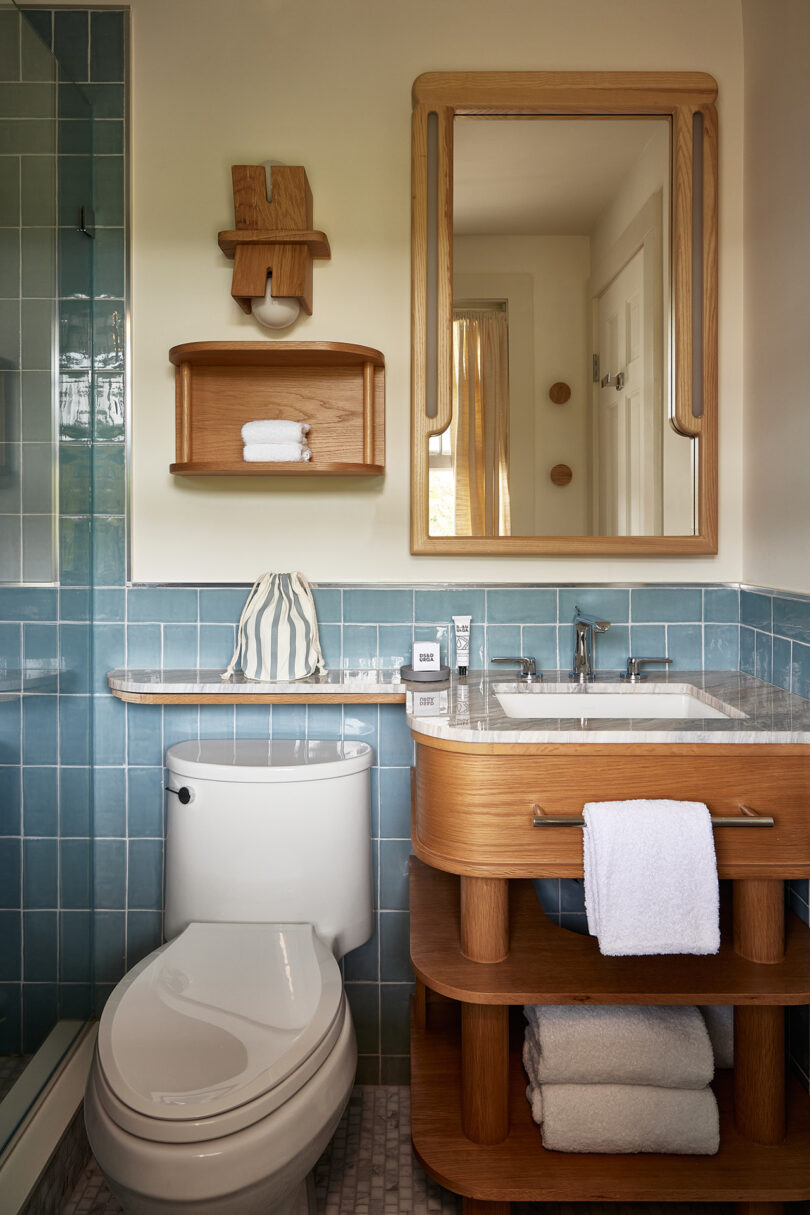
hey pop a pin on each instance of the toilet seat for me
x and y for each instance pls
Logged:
(213, 1031)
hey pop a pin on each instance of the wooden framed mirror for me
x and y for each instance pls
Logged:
(564, 236)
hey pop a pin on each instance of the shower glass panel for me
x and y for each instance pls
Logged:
(46, 531)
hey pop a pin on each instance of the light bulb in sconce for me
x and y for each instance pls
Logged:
(272, 312)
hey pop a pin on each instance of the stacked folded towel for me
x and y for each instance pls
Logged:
(621, 1079)
(276, 439)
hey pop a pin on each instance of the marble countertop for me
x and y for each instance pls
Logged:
(207, 682)
(467, 710)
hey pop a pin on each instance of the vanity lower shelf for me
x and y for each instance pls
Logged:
(519, 1169)
(547, 964)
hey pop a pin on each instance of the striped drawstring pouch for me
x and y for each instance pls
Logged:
(277, 638)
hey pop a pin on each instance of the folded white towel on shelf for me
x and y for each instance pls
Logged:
(651, 877)
(280, 452)
(719, 1020)
(274, 430)
(619, 1044)
(626, 1118)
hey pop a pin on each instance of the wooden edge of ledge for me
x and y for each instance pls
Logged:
(259, 698)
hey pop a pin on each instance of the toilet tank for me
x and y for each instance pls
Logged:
(273, 831)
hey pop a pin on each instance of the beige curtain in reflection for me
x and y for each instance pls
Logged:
(480, 427)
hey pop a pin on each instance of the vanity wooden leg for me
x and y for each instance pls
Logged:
(759, 919)
(484, 918)
(485, 1072)
(759, 1030)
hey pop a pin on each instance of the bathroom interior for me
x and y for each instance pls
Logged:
(130, 540)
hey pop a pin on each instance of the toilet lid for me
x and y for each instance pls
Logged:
(217, 1018)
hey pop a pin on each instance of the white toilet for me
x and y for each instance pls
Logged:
(225, 1058)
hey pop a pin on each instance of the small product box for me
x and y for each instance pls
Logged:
(426, 656)
(426, 704)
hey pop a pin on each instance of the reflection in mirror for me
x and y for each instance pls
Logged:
(561, 272)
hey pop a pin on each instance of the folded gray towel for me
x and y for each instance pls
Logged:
(626, 1118)
(620, 1044)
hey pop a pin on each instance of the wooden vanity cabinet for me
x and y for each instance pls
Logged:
(481, 946)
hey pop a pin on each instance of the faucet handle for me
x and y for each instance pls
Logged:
(634, 672)
(528, 667)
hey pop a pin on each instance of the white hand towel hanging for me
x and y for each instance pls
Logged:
(651, 877)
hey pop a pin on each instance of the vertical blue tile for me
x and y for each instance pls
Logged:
(109, 874)
(75, 874)
(108, 652)
(180, 645)
(106, 46)
(394, 1018)
(331, 638)
(395, 966)
(145, 875)
(75, 729)
(222, 605)
(540, 643)
(110, 729)
(75, 946)
(217, 721)
(361, 722)
(109, 551)
(216, 645)
(394, 858)
(10, 947)
(144, 645)
(10, 1018)
(75, 801)
(359, 646)
(179, 724)
(10, 715)
(40, 801)
(396, 746)
(76, 1001)
(324, 721)
(521, 605)
(791, 618)
(75, 643)
(40, 946)
(365, 1008)
(10, 801)
(395, 803)
(40, 1011)
(144, 734)
(721, 605)
(362, 964)
(71, 43)
(327, 605)
(40, 873)
(685, 642)
(108, 952)
(252, 721)
(755, 610)
(721, 646)
(289, 721)
(763, 656)
(109, 801)
(800, 667)
(395, 645)
(40, 733)
(145, 801)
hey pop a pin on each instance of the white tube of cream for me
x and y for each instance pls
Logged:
(462, 628)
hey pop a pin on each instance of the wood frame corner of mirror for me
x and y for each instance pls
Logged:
(685, 377)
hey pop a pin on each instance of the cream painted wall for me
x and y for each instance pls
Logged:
(327, 85)
(777, 294)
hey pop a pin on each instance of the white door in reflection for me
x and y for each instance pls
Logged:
(627, 456)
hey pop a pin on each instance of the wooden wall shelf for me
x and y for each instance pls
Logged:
(519, 1169)
(547, 964)
(337, 387)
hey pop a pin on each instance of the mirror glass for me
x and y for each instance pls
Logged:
(562, 334)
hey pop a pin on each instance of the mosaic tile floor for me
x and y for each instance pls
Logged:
(369, 1169)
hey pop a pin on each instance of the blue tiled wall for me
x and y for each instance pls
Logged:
(775, 638)
(46, 729)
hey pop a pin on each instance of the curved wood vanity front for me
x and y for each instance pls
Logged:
(481, 942)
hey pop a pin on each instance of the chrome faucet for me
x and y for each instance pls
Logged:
(584, 628)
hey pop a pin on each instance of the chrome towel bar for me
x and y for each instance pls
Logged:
(747, 817)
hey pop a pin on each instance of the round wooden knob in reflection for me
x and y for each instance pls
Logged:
(559, 392)
(561, 474)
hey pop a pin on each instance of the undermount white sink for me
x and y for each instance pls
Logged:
(560, 701)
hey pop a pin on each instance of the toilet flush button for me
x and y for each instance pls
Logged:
(184, 795)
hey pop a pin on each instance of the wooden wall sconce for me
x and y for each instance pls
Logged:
(272, 237)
